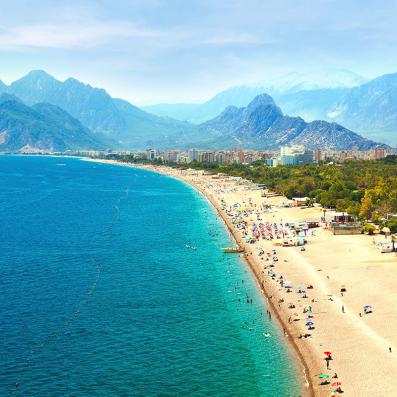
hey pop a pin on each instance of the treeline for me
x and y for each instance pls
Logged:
(366, 189)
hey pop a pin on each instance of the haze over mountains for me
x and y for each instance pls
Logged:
(263, 122)
(368, 108)
(41, 127)
(241, 96)
(38, 112)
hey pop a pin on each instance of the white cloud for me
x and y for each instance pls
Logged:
(72, 35)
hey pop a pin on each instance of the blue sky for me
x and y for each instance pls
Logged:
(154, 51)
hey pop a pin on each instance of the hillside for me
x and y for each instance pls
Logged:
(263, 125)
(96, 109)
(42, 127)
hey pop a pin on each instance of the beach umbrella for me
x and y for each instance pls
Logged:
(367, 307)
(323, 376)
(327, 353)
(309, 323)
(335, 384)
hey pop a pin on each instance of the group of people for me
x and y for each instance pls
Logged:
(246, 217)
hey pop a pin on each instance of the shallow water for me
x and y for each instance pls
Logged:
(99, 295)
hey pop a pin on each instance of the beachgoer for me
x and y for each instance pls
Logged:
(390, 349)
(343, 308)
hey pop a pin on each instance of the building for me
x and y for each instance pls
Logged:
(296, 155)
(318, 155)
(193, 155)
(207, 157)
(300, 201)
(151, 154)
(171, 156)
(379, 153)
(272, 162)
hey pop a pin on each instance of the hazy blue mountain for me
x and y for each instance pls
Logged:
(320, 91)
(263, 125)
(370, 108)
(96, 109)
(310, 104)
(198, 113)
(144, 129)
(92, 106)
(42, 127)
(3, 87)
(8, 97)
(309, 81)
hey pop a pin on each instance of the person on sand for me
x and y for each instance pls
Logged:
(335, 376)
(343, 308)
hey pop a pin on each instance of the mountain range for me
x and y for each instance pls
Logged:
(124, 123)
(42, 127)
(263, 125)
(240, 96)
(369, 108)
(79, 116)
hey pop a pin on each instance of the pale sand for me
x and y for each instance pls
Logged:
(359, 345)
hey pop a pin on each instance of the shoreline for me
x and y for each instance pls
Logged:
(306, 385)
(363, 345)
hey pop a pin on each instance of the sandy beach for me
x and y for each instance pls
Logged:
(363, 346)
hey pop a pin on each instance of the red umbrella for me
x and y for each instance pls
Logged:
(335, 384)
(327, 353)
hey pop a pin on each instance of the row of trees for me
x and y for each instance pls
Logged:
(365, 189)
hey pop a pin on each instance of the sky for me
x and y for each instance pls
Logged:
(154, 51)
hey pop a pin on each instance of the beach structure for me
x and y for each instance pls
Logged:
(340, 217)
(312, 223)
(346, 228)
(300, 201)
(233, 250)
(343, 223)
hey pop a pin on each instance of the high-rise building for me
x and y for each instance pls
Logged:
(379, 153)
(318, 155)
(296, 155)
(151, 154)
(193, 155)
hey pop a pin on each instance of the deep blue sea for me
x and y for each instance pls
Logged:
(99, 295)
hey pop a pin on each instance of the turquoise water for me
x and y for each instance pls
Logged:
(99, 295)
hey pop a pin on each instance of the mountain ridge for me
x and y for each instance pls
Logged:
(96, 109)
(263, 125)
(42, 127)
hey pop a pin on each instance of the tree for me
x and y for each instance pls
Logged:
(367, 206)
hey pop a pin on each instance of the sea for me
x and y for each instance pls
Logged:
(113, 283)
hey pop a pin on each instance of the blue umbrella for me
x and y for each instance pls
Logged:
(367, 306)
(309, 323)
